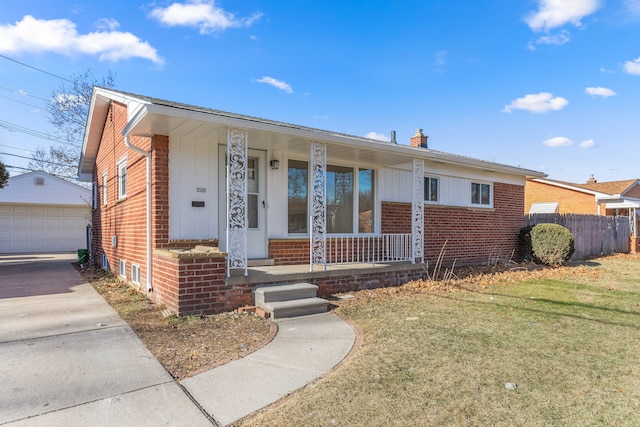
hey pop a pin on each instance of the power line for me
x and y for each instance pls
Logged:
(35, 68)
(35, 160)
(22, 93)
(16, 148)
(17, 128)
(20, 102)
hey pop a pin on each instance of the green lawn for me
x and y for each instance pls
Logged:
(571, 344)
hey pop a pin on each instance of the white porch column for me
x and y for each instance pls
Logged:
(633, 219)
(237, 153)
(417, 220)
(318, 220)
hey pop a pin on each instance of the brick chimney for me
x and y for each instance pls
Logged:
(591, 180)
(419, 140)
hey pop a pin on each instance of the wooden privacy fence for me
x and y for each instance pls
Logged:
(594, 235)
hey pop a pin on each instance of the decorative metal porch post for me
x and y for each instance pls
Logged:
(237, 153)
(318, 220)
(417, 228)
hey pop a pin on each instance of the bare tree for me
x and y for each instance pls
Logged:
(68, 109)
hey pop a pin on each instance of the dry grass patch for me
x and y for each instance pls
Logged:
(187, 345)
(568, 337)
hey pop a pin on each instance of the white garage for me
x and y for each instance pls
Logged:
(42, 213)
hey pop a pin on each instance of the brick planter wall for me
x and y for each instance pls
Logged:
(194, 283)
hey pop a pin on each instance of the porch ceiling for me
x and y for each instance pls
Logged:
(178, 128)
(178, 123)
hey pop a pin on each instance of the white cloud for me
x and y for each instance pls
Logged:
(600, 91)
(202, 14)
(589, 143)
(61, 36)
(558, 141)
(632, 6)
(378, 136)
(440, 58)
(275, 83)
(556, 13)
(557, 40)
(537, 103)
(632, 67)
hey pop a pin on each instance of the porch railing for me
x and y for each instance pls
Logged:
(367, 249)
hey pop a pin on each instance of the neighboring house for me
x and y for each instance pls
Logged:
(592, 198)
(188, 200)
(42, 213)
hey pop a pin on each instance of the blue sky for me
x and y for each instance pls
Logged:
(549, 85)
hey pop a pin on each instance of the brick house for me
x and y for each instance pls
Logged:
(591, 198)
(197, 206)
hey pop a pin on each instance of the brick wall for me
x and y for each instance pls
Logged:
(289, 251)
(195, 284)
(471, 235)
(123, 218)
(569, 201)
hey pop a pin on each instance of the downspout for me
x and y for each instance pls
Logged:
(147, 155)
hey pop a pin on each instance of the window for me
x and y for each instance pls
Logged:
(38, 181)
(123, 268)
(480, 194)
(135, 274)
(122, 179)
(347, 211)
(105, 262)
(105, 193)
(339, 199)
(430, 189)
(298, 183)
(366, 205)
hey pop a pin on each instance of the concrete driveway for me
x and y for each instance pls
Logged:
(68, 359)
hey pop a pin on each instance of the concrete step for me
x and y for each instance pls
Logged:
(294, 308)
(274, 293)
(262, 262)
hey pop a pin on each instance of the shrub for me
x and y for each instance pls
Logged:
(551, 244)
(524, 243)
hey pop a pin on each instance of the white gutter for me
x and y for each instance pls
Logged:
(126, 132)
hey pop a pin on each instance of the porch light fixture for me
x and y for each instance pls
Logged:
(275, 164)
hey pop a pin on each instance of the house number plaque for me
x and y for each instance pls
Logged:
(201, 189)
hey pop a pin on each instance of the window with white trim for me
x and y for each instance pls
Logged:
(122, 179)
(105, 186)
(135, 274)
(123, 268)
(480, 194)
(431, 189)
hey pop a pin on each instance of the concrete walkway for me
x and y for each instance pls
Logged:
(69, 359)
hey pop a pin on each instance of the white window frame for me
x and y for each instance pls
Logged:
(122, 178)
(479, 203)
(427, 188)
(105, 188)
(135, 274)
(123, 269)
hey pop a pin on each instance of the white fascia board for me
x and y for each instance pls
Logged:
(571, 187)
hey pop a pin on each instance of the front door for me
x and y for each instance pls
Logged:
(256, 203)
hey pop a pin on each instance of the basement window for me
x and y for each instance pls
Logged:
(135, 274)
(123, 268)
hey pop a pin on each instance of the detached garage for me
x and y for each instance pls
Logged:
(42, 213)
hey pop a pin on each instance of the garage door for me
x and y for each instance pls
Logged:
(42, 228)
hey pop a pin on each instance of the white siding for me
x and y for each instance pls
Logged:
(54, 191)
